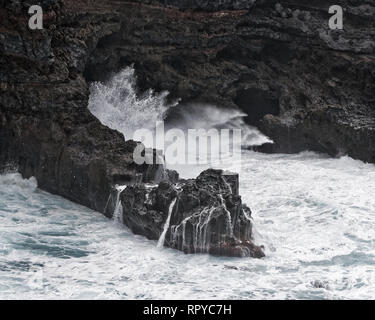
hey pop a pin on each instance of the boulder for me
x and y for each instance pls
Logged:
(206, 215)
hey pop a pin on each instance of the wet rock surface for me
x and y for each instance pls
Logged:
(206, 215)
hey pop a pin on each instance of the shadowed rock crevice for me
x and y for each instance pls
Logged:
(257, 103)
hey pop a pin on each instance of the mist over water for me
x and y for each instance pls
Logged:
(117, 104)
(203, 116)
(315, 216)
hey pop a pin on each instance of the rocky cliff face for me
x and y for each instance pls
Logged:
(202, 5)
(304, 85)
(47, 131)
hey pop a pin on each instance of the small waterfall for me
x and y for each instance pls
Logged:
(196, 232)
(228, 215)
(184, 233)
(117, 213)
(175, 231)
(166, 225)
(205, 244)
(201, 244)
(200, 241)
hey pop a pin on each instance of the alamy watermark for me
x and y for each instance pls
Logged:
(335, 22)
(191, 146)
(36, 20)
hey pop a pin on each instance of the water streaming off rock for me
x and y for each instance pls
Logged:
(117, 213)
(167, 223)
(229, 219)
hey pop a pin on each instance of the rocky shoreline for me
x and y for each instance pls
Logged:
(202, 215)
(305, 86)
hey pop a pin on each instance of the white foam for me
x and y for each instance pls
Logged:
(116, 104)
(315, 215)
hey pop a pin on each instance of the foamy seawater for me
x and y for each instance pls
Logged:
(315, 215)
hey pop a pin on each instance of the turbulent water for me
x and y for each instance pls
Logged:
(315, 216)
(118, 106)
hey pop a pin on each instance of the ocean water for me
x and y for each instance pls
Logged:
(315, 216)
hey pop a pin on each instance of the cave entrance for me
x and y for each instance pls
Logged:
(257, 103)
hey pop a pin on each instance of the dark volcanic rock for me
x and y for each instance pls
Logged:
(257, 103)
(332, 130)
(205, 5)
(210, 217)
(46, 130)
(140, 214)
(276, 58)
(206, 216)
